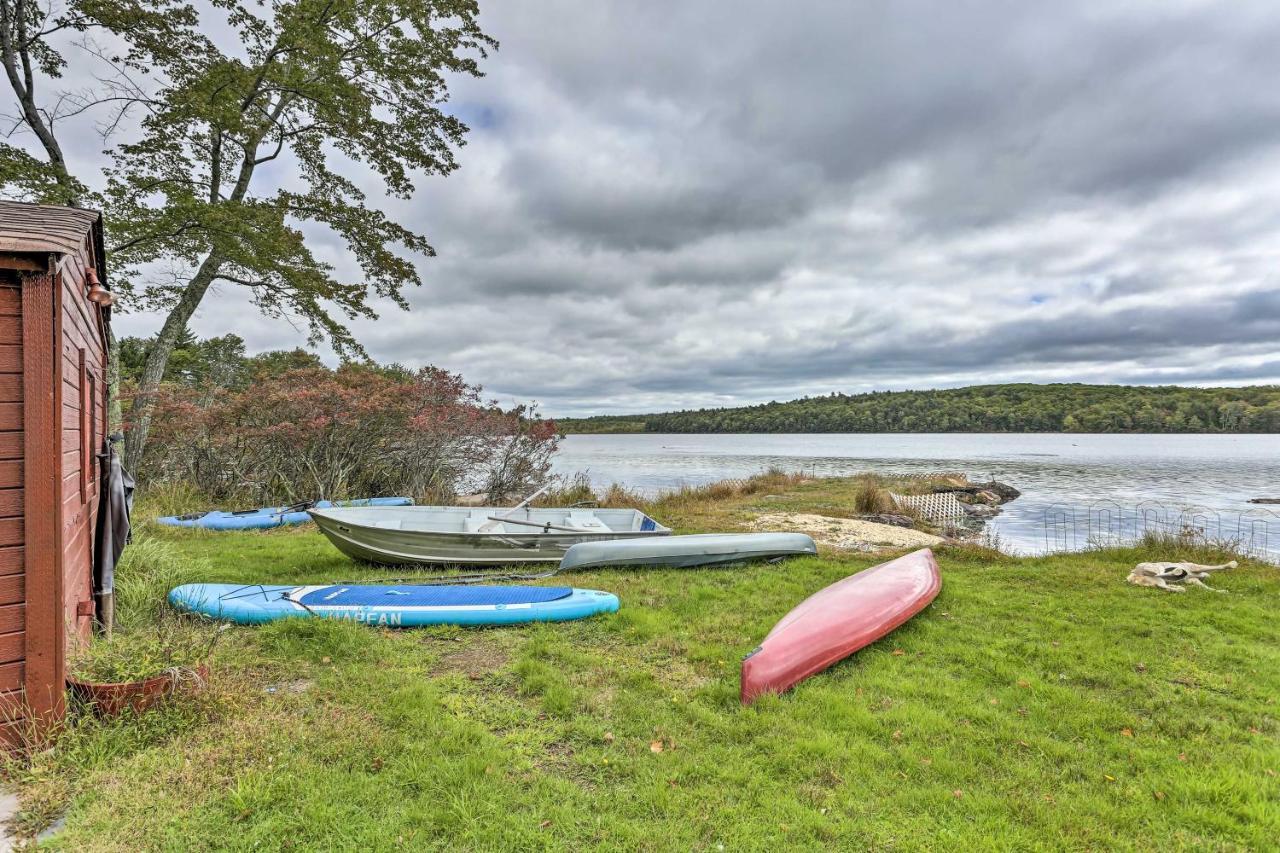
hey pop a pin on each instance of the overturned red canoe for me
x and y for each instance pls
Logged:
(833, 623)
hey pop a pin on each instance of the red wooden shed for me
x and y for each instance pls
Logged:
(53, 408)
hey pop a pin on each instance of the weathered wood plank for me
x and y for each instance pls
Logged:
(12, 707)
(24, 262)
(70, 485)
(12, 676)
(12, 560)
(12, 646)
(11, 358)
(11, 530)
(11, 301)
(12, 591)
(12, 618)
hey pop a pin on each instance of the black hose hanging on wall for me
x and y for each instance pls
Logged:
(114, 508)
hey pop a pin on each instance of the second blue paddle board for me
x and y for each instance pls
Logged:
(266, 517)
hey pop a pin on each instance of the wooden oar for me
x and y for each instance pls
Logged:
(526, 501)
(546, 525)
(521, 505)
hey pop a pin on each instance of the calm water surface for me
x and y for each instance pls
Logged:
(1219, 472)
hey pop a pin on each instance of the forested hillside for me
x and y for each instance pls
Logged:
(981, 408)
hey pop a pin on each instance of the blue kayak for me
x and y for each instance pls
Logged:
(405, 606)
(266, 517)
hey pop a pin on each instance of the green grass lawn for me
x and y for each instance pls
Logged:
(1038, 703)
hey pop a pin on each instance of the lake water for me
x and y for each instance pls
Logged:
(1064, 478)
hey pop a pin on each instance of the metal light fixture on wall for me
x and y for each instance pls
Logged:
(97, 294)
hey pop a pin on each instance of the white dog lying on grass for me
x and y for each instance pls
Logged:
(1163, 574)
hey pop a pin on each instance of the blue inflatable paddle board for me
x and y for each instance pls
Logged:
(266, 517)
(392, 606)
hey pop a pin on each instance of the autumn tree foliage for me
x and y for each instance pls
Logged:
(311, 433)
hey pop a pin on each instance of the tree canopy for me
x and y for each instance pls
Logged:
(241, 134)
(315, 90)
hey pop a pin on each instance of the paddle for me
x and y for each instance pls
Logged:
(491, 527)
(545, 525)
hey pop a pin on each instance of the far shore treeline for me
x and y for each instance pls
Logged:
(979, 408)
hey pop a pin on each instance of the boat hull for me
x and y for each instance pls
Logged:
(837, 621)
(704, 549)
(360, 536)
(267, 517)
(403, 606)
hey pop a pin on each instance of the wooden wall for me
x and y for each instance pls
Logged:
(84, 371)
(12, 565)
(52, 423)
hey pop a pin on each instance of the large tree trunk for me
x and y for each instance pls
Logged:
(15, 53)
(158, 358)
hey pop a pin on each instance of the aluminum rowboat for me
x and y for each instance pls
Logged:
(491, 535)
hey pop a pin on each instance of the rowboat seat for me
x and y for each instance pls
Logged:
(586, 521)
(478, 522)
(386, 524)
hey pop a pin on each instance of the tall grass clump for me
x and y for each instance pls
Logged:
(148, 569)
(578, 490)
(870, 497)
(618, 495)
(769, 480)
(575, 490)
(175, 497)
(148, 636)
(772, 479)
(1179, 546)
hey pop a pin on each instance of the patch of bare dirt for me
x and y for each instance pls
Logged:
(475, 660)
(849, 534)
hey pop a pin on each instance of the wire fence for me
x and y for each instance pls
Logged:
(1254, 532)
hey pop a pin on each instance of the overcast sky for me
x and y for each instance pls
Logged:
(676, 204)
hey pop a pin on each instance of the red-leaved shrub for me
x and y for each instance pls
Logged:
(313, 433)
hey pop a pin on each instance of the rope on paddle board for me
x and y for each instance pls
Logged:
(254, 589)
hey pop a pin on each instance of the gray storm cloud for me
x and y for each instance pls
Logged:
(683, 204)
